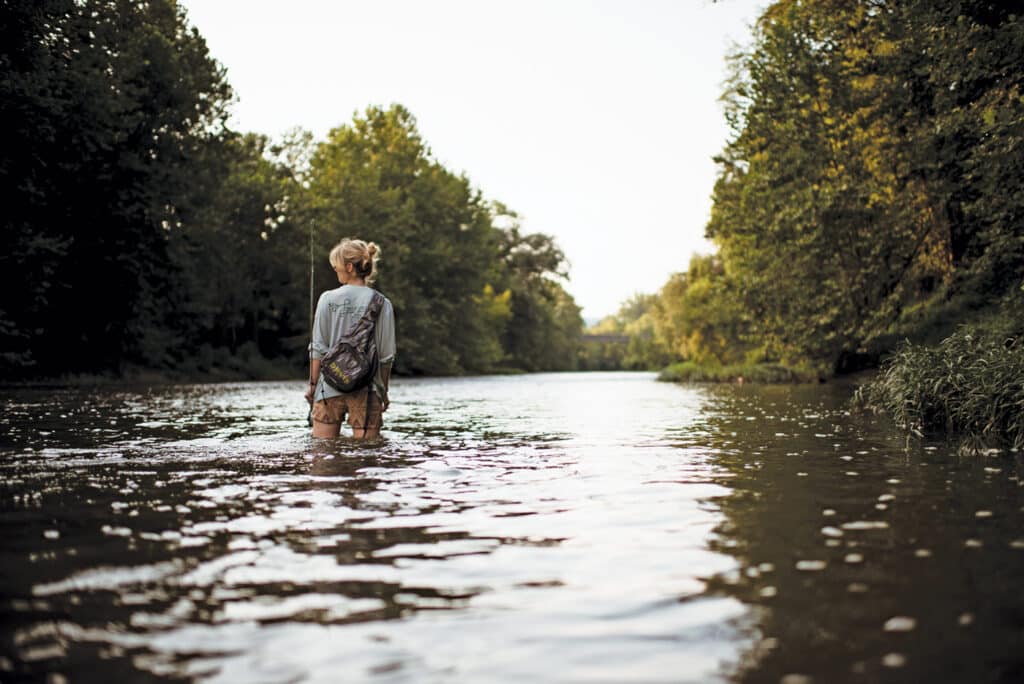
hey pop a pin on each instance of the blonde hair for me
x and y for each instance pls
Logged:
(362, 255)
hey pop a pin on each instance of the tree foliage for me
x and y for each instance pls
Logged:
(139, 230)
(470, 296)
(873, 145)
(106, 104)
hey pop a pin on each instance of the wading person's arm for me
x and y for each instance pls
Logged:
(324, 425)
(318, 346)
(385, 378)
(314, 373)
(386, 348)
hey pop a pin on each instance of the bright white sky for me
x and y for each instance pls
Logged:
(596, 121)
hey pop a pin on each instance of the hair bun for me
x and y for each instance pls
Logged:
(361, 255)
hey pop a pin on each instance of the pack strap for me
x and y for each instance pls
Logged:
(369, 398)
(370, 316)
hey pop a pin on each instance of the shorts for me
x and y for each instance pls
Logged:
(332, 410)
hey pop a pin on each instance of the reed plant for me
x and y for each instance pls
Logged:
(970, 386)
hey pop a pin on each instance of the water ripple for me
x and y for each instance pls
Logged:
(580, 527)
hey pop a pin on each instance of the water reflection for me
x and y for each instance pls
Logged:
(552, 528)
(867, 560)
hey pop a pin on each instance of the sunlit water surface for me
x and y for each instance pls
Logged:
(545, 528)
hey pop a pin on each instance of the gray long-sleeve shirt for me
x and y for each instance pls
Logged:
(337, 313)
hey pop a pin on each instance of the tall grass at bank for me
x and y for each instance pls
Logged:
(758, 373)
(970, 386)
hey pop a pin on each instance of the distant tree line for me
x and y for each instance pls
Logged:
(869, 190)
(139, 231)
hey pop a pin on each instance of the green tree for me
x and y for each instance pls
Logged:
(645, 349)
(375, 179)
(697, 317)
(239, 257)
(543, 333)
(445, 265)
(139, 230)
(109, 104)
(841, 196)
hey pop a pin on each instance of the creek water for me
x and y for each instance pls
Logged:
(596, 527)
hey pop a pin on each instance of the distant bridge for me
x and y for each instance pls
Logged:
(605, 339)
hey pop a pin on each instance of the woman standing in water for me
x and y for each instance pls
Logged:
(337, 313)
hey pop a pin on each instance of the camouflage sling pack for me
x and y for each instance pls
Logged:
(352, 361)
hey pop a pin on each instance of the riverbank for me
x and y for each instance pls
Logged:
(760, 373)
(227, 369)
(215, 367)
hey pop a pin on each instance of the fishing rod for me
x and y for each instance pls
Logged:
(312, 223)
